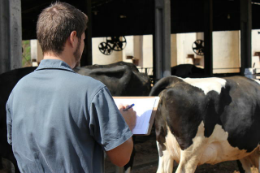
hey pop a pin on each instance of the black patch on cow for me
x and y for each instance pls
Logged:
(241, 119)
(182, 114)
(160, 130)
(215, 105)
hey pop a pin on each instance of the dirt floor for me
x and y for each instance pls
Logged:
(146, 160)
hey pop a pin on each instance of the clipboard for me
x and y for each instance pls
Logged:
(145, 108)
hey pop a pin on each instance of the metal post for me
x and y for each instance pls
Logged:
(246, 29)
(162, 39)
(11, 35)
(87, 54)
(5, 64)
(208, 45)
(15, 34)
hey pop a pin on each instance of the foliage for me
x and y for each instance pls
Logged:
(26, 61)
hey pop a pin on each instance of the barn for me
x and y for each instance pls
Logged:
(219, 36)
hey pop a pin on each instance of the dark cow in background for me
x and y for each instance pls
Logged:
(122, 79)
(208, 120)
(188, 70)
(7, 81)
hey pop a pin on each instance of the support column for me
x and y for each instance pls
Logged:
(245, 32)
(208, 29)
(162, 39)
(87, 54)
(11, 35)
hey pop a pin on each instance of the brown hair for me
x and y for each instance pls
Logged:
(56, 22)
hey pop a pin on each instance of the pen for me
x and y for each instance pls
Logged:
(129, 107)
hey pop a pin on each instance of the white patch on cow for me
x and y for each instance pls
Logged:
(207, 84)
(212, 150)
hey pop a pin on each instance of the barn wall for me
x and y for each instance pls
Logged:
(99, 58)
(184, 47)
(148, 51)
(138, 50)
(256, 49)
(226, 51)
(174, 50)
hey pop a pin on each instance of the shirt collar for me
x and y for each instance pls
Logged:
(53, 64)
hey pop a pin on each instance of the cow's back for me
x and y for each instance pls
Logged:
(121, 78)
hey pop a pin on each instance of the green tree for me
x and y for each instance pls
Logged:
(26, 61)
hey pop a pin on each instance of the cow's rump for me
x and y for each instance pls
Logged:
(207, 120)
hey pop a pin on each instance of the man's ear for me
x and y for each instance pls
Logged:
(73, 39)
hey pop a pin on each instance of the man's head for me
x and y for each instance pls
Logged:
(55, 25)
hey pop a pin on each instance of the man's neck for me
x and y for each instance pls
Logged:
(59, 57)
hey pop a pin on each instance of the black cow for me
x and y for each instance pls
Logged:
(207, 120)
(7, 81)
(122, 79)
(188, 70)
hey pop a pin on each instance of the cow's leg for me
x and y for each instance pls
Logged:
(240, 167)
(165, 160)
(251, 161)
(188, 163)
(190, 157)
(128, 167)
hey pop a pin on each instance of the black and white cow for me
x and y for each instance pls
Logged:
(122, 79)
(207, 120)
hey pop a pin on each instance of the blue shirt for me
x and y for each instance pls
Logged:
(60, 121)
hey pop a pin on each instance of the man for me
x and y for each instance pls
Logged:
(58, 120)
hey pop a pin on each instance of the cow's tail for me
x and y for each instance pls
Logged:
(163, 84)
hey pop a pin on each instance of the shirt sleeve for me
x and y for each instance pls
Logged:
(107, 125)
(9, 122)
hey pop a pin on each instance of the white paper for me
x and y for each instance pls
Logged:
(143, 108)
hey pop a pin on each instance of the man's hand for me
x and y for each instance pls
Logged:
(129, 116)
(121, 154)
